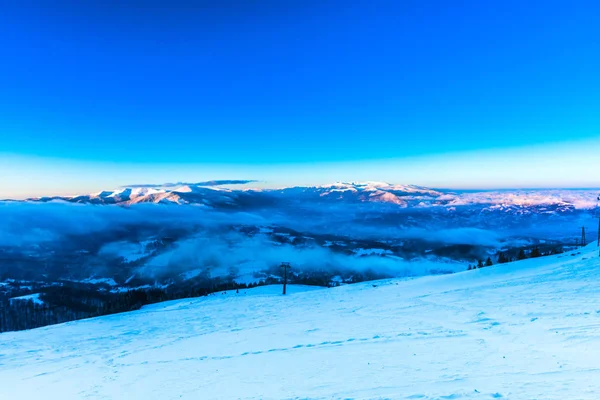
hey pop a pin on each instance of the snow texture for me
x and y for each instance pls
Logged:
(525, 330)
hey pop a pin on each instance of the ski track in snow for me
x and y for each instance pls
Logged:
(526, 330)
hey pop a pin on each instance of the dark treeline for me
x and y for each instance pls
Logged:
(522, 254)
(70, 301)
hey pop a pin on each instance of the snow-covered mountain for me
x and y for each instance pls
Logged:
(215, 195)
(523, 330)
(379, 192)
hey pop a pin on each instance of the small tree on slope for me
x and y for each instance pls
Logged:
(502, 258)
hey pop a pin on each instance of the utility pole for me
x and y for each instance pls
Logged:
(598, 216)
(210, 283)
(598, 230)
(285, 266)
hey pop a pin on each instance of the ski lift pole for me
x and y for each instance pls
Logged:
(599, 234)
(285, 266)
(598, 216)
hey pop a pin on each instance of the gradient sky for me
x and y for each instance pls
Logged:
(452, 94)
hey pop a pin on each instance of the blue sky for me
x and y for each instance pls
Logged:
(102, 94)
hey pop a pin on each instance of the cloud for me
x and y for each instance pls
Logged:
(259, 253)
(221, 182)
(205, 237)
(23, 223)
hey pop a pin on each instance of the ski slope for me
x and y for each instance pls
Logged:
(526, 330)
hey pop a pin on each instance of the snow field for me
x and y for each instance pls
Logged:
(525, 330)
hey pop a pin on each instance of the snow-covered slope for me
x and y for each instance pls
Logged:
(526, 330)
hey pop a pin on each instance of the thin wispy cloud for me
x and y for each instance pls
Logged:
(222, 182)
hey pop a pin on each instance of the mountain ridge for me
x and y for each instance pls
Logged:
(358, 192)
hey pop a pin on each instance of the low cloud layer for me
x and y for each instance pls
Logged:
(249, 255)
(205, 238)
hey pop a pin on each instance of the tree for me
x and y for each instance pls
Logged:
(502, 259)
(479, 264)
(521, 255)
(488, 262)
(535, 253)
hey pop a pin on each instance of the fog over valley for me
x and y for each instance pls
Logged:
(169, 233)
